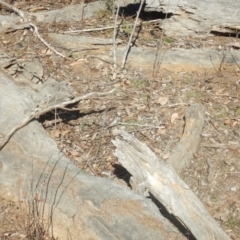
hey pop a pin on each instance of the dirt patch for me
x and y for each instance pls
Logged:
(19, 221)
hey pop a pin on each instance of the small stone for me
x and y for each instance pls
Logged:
(234, 189)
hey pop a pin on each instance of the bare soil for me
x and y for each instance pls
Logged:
(149, 104)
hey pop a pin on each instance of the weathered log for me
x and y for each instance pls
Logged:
(167, 187)
(82, 206)
(190, 140)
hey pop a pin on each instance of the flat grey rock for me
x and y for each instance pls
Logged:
(80, 42)
(191, 17)
(178, 58)
(75, 12)
(143, 57)
(84, 206)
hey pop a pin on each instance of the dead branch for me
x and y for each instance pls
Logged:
(16, 10)
(44, 41)
(41, 111)
(31, 26)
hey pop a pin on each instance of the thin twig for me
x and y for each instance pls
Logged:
(38, 112)
(114, 37)
(109, 27)
(174, 105)
(131, 36)
(221, 64)
(218, 145)
(89, 30)
(44, 42)
(106, 28)
(135, 124)
(83, 5)
(16, 10)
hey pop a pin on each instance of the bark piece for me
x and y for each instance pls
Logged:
(166, 186)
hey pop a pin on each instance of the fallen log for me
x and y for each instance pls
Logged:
(167, 187)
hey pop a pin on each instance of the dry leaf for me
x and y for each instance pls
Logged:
(163, 100)
(46, 51)
(219, 91)
(65, 132)
(227, 121)
(174, 117)
(165, 156)
(233, 145)
(126, 83)
(235, 123)
(75, 153)
(157, 150)
(55, 133)
(79, 61)
(161, 131)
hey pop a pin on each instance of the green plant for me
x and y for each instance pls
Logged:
(236, 111)
(110, 5)
(221, 112)
(192, 94)
(102, 13)
(214, 197)
(169, 86)
(139, 83)
(233, 223)
(126, 27)
(75, 55)
(189, 79)
(144, 98)
(168, 40)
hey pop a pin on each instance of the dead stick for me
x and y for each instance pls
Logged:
(131, 36)
(114, 38)
(32, 26)
(44, 41)
(90, 29)
(38, 112)
(16, 10)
